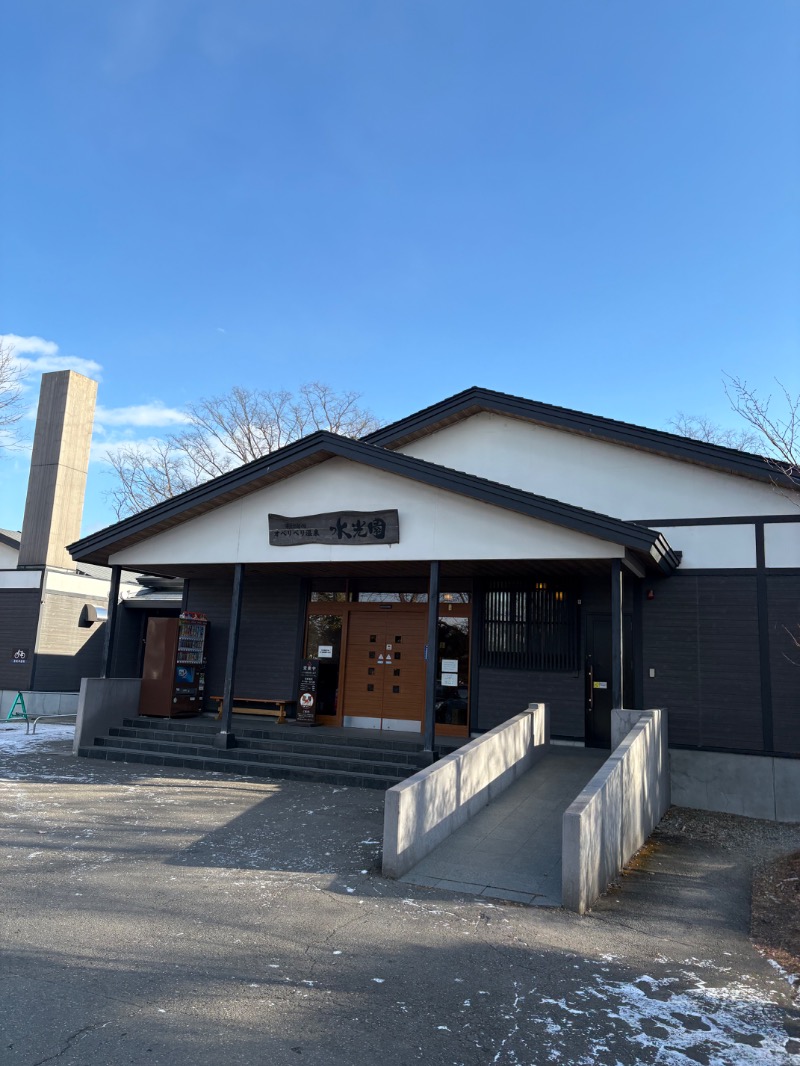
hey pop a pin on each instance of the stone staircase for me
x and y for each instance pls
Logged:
(360, 758)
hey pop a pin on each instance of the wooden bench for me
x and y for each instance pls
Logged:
(244, 705)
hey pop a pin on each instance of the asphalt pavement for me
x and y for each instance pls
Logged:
(158, 917)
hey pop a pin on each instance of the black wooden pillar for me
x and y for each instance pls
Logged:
(225, 737)
(432, 657)
(111, 622)
(617, 634)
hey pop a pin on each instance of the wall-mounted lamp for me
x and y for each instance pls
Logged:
(91, 614)
(651, 594)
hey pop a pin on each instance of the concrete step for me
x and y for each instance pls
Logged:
(413, 760)
(339, 761)
(219, 763)
(244, 727)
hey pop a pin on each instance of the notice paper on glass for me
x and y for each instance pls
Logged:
(325, 651)
(449, 666)
(450, 680)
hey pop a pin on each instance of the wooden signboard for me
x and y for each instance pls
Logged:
(350, 528)
(307, 693)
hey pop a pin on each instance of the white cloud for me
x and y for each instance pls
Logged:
(102, 450)
(46, 357)
(47, 363)
(146, 414)
(24, 345)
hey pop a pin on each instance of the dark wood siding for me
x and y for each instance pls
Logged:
(19, 618)
(213, 599)
(504, 693)
(783, 600)
(131, 627)
(700, 635)
(272, 611)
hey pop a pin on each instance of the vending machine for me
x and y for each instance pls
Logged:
(174, 671)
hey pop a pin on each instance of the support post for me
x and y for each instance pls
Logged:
(111, 622)
(225, 737)
(431, 657)
(617, 634)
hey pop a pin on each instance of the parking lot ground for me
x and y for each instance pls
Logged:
(155, 916)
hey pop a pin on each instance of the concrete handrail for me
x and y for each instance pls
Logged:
(618, 810)
(422, 811)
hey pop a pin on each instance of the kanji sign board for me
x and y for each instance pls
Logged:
(351, 528)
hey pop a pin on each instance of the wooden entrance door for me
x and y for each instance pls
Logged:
(385, 676)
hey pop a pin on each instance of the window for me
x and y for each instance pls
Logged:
(530, 627)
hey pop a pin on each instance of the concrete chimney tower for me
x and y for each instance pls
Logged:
(59, 465)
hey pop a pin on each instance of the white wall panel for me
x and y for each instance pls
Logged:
(609, 478)
(713, 547)
(83, 585)
(434, 524)
(20, 579)
(782, 544)
(8, 557)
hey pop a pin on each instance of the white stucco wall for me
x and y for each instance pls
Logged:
(20, 579)
(84, 585)
(609, 478)
(714, 547)
(8, 557)
(782, 544)
(434, 524)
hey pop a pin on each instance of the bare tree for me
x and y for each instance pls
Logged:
(698, 427)
(224, 432)
(775, 436)
(10, 398)
(779, 433)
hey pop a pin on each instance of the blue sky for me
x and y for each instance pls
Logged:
(594, 205)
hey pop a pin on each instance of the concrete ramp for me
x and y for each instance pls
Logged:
(512, 849)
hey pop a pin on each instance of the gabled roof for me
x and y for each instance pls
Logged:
(475, 400)
(321, 446)
(10, 537)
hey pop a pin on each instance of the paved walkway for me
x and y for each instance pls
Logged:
(512, 849)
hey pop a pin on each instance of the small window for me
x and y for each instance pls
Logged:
(532, 627)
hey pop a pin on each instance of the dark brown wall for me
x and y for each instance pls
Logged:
(273, 608)
(131, 627)
(783, 612)
(700, 634)
(504, 693)
(19, 617)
